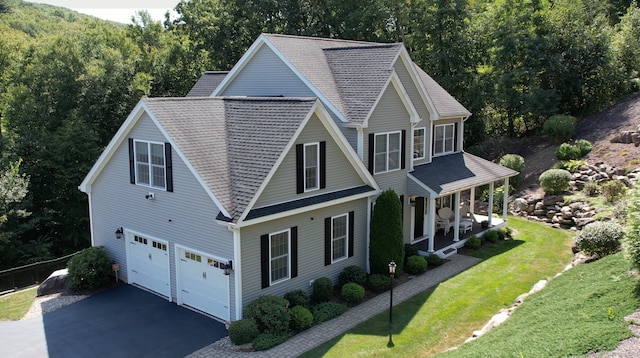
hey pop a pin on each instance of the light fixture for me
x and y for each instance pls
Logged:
(227, 268)
(412, 201)
(392, 271)
(119, 233)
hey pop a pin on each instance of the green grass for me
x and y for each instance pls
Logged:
(446, 315)
(580, 311)
(15, 305)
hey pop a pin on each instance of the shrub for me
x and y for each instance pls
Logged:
(327, 310)
(555, 181)
(591, 189)
(352, 292)
(386, 237)
(491, 236)
(434, 260)
(559, 127)
(600, 238)
(498, 197)
(379, 282)
(297, 298)
(354, 274)
(270, 313)
(243, 331)
(473, 242)
(508, 232)
(571, 166)
(567, 151)
(416, 265)
(631, 241)
(90, 269)
(322, 290)
(613, 190)
(409, 250)
(269, 340)
(515, 162)
(301, 318)
(501, 234)
(584, 146)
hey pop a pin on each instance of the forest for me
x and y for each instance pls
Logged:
(68, 81)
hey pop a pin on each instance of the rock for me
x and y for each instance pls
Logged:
(56, 282)
(520, 204)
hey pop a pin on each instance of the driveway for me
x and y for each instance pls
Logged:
(121, 322)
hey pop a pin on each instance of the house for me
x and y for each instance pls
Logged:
(263, 179)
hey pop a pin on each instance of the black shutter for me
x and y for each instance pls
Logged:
(403, 149)
(351, 232)
(372, 138)
(294, 252)
(323, 164)
(433, 140)
(132, 162)
(169, 166)
(327, 242)
(264, 260)
(401, 207)
(299, 168)
(455, 137)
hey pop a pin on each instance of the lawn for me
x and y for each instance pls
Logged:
(15, 305)
(446, 315)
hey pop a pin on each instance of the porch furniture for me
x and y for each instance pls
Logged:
(444, 224)
(446, 213)
(466, 225)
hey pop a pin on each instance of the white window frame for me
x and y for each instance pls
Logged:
(387, 152)
(316, 184)
(150, 165)
(444, 149)
(424, 147)
(288, 256)
(346, 238)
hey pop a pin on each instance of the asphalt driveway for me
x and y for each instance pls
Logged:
(121, 322)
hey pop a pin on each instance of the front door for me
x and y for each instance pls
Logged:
(418, 225)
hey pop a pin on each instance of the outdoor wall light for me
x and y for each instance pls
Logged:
(392, 272)
(227, 268)
(412, 201)
(119, 233)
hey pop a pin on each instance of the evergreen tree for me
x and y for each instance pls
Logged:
(386, 241)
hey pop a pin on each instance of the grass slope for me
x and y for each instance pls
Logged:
(15, 305)
(445, 316)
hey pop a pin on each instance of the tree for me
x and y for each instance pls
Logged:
(386, 240)
(626, 43)
(13, 189)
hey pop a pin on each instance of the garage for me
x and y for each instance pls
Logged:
(148, 263)
(202, 283)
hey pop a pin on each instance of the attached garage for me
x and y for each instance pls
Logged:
(202, 283)
(148, 263)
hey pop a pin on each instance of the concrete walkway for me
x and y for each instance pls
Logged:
(321, 333)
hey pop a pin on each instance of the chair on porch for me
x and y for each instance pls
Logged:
(444, 224)
(466, 219)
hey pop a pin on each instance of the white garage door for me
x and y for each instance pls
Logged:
(148, 263)
(202, 283)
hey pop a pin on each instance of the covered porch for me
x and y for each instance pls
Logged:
(444, 211)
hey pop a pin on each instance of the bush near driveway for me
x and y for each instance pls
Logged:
(90, 269)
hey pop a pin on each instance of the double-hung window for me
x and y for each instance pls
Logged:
(339, 237)
(387, 151)
(419, 143)
(279, 245)
(311, 166)
(150, 164)
(444, 138)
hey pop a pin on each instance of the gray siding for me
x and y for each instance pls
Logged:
(310, 250)
(185, 216)
(340, 173)
(267, 75)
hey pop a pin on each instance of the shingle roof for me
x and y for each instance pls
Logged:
(445, 104)
(231, 142)
(207, 83)
(450, 173)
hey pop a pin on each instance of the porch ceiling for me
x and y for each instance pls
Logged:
(454, 172)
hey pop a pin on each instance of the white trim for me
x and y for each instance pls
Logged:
(346, 236)
(387, 156)
(424, 142)
(127, 236)
(92, 231)
(149, 143)
(360, 142)
(304, 165)
(288, 277)
(394, 80)
(444, 133)
(415, 77)
(237, 271)
(367, 265)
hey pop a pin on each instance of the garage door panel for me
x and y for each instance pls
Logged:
(149, 264)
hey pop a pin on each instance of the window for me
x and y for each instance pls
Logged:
(279, 256)
(387, 152)
(150, 164)
(444, 138)
(311, 166)
(339, 237)
(418, 143)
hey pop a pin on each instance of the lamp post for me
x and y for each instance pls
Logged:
(392, 271)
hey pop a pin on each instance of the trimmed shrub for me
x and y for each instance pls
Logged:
(567, 151)
(90, 269)
(613, 190)
(409, 250)
(301, 318)
(600, 238)
(352, 292)
(584, 146)
(559, 127)
(386, 238)
(270, 313)
(243, 331)
(327, 310)
(501, 234)
(269, 340)
(416, 265)
(507, 231)
(515, 162)
(354, 274)
(297, 298)
(379, 282)
(473, 242)
(491, 236)
(322, 290)
(434, 260)
(555, 181)
(591, 189)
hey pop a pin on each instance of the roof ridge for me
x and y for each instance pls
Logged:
(382, 45)
(324, 39)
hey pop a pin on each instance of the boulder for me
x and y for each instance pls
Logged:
(56, 282)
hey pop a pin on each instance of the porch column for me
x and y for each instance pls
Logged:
(505, 198)
(472, 201)
(490, 208)
(456, 221)
(431, 219)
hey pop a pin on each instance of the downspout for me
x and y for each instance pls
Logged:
(237, 271)
(368, 238)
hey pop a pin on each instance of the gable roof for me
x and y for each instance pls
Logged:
(444, 103)
(207, 83)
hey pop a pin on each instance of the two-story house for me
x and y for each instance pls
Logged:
(263, 179)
